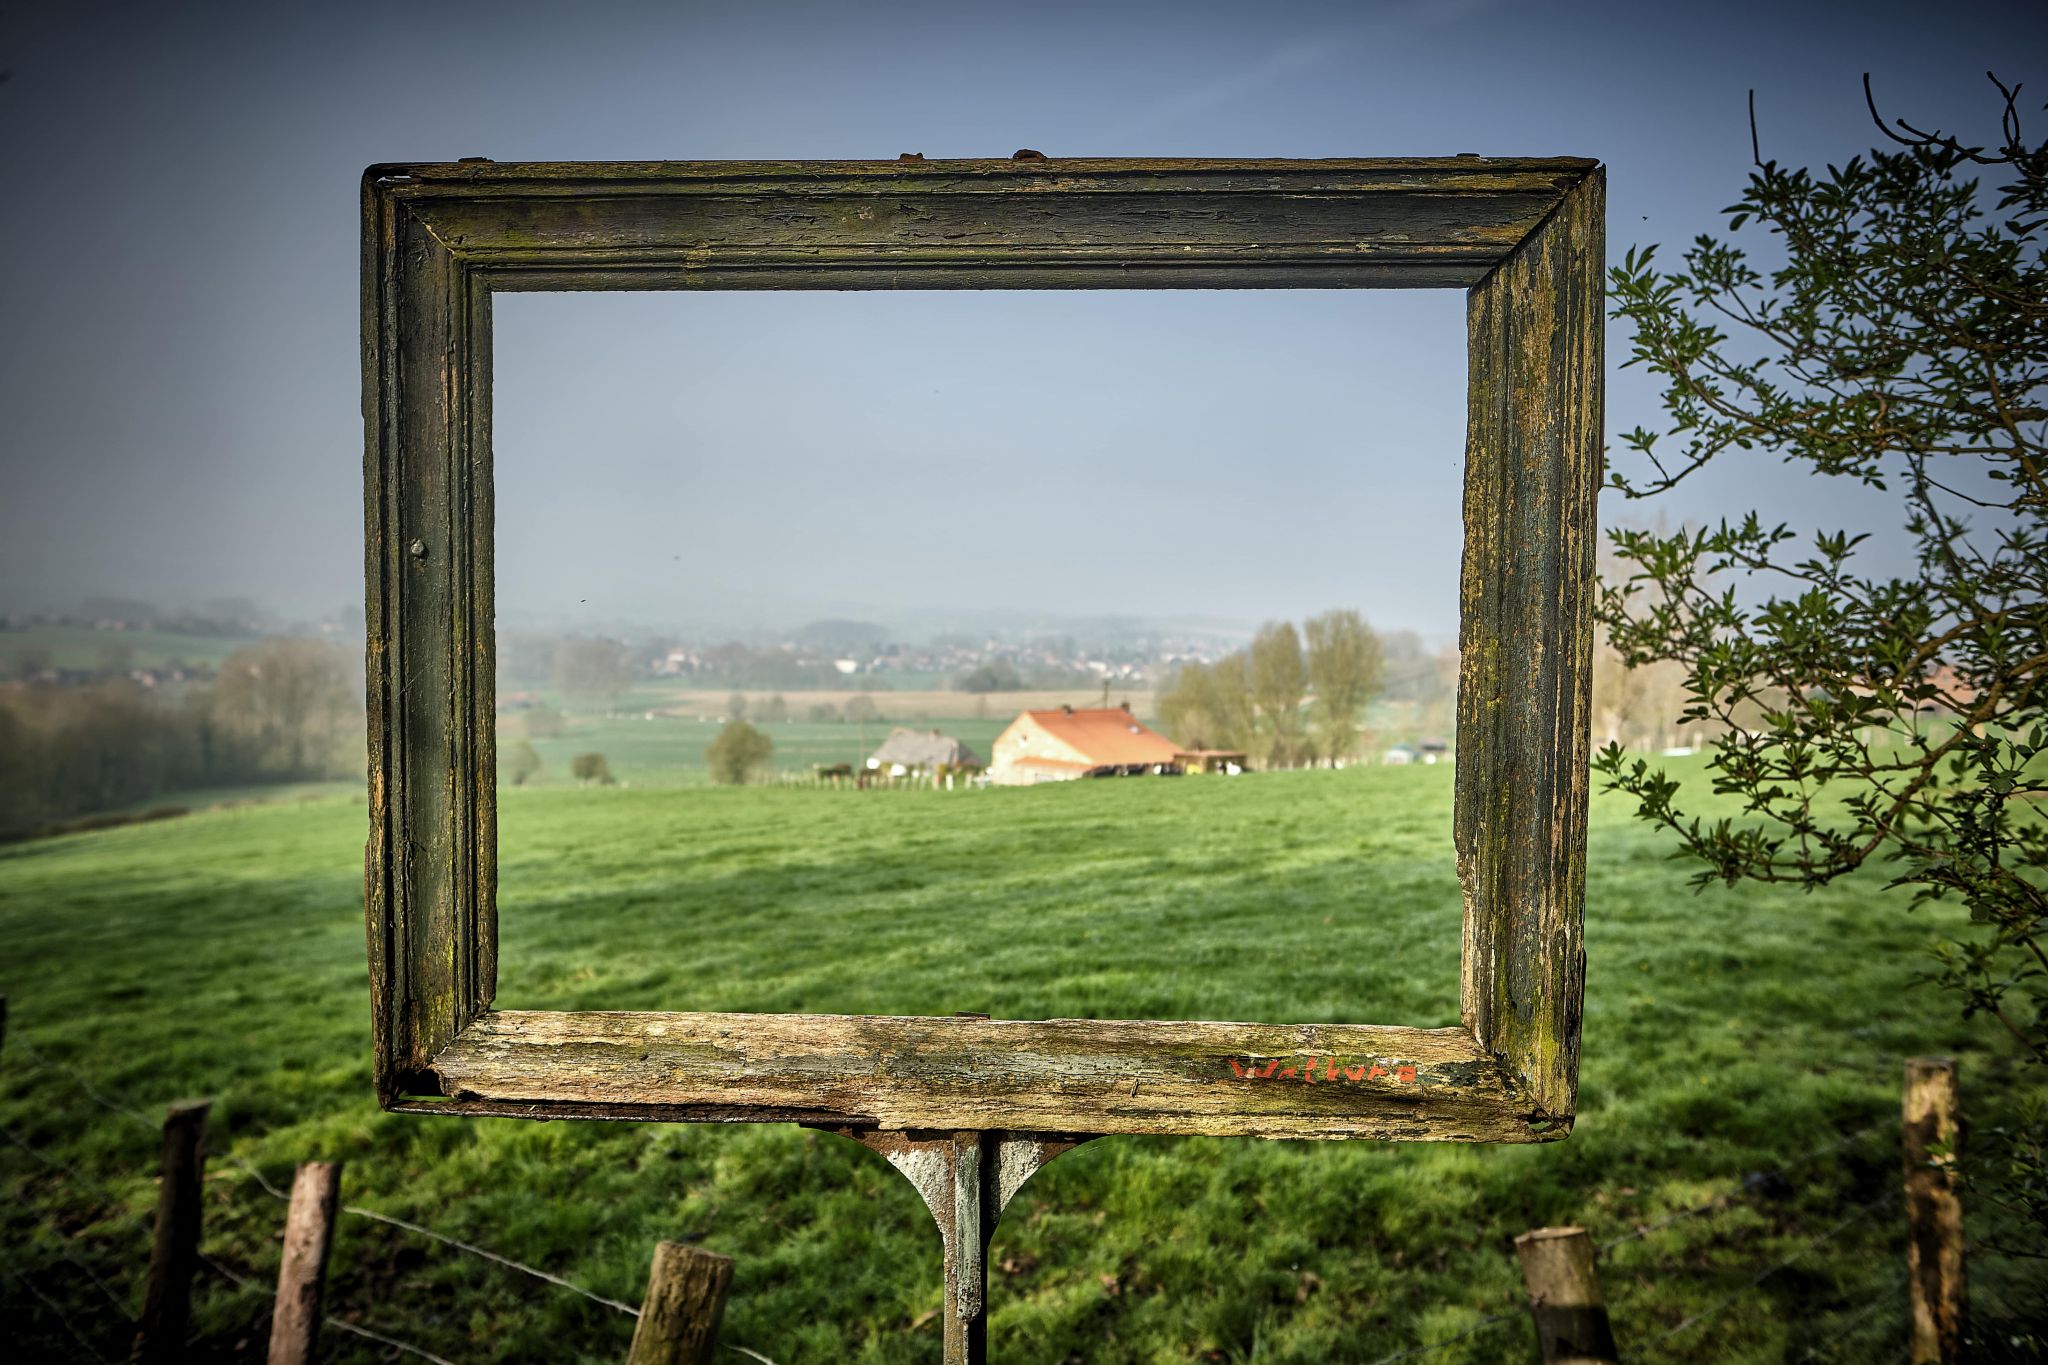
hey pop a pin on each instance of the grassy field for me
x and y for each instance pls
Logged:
(646, 750)
(1736, 1043)
(655, 735)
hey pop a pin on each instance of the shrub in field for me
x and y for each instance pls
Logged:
(591, 768)
(739, 752)
(591, 671)
(998, 675)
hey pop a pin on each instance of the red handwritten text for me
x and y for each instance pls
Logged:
(1319, 1070)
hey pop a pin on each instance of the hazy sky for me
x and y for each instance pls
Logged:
(178, 283)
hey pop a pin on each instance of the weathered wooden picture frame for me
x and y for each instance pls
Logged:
(1525, 238)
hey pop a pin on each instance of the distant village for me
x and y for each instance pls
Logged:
(985, 664)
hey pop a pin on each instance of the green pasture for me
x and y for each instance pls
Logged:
(668, 751)
(1738, 1044)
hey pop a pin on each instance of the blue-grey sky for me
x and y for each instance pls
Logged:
(179, 395)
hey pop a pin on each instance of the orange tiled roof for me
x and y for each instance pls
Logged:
(1106, 735)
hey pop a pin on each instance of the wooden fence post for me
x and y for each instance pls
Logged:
(1564, 1297)
(1934, 1215)
(174, 1253)
(302, 1273)
(685, 1303)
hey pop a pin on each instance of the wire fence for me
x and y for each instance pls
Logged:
(1724, 1305)
(242, 1281)
(1648, 1350)
(143, 1222)
(85, 1086)
(1731, 1198)
(470, 1247)
(1645, 1351)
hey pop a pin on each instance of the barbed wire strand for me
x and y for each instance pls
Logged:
(1414, 1351)
(146, 1223)
(114, 1300)
(30, 1285)
(1845, 1330)
(66, 1168)
(1707, 1314)
(1718, 1202)
(243, 1281)
(85, 1084)
(1723, 1200)
(52, 1162)
(94, 1094)
(360, 1212)
(460, 1245)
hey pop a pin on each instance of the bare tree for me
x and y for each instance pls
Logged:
(1635, 704)
(590, 670)
(1208, 706)
(1344, 670)
(293, 701)
(1279, 683)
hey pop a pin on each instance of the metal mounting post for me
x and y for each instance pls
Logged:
(966, 1179)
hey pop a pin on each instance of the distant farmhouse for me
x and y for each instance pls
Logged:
(906, 752)
(1062, 744)
(1421, 751)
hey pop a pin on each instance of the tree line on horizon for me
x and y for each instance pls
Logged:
(280, 710)
(1291, 697)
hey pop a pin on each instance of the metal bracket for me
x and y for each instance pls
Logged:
(966, 1179)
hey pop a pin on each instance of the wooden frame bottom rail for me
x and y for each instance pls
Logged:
(922, 1073)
